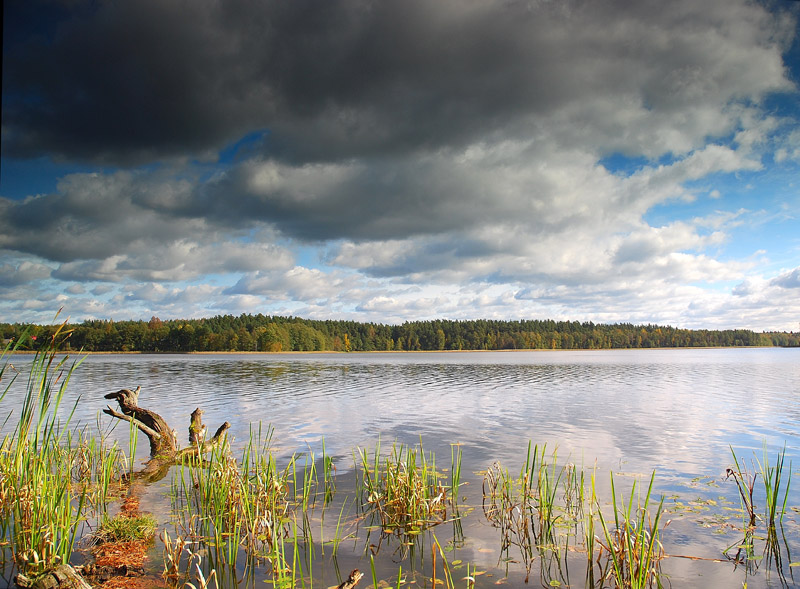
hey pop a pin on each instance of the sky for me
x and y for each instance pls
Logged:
(401, 160)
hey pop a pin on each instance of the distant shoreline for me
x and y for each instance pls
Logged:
(318, 352)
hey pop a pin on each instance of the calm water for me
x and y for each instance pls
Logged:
(631, 411)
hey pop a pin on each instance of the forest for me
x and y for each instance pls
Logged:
(264, 333)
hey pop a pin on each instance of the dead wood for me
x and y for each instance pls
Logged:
(197, 431)
(352, 580)
(163, 439)
(62, 576)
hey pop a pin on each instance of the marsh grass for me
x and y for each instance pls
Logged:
(183, 567)
(40, 506)
(745, 480)
(776, 481)
(770, 547)
(405, 489)
(100, 469)
(253, 508)
(539, 512)
(633, 544)
(127, 528)
(772, 477)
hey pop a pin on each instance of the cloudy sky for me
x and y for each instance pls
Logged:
(393, 160)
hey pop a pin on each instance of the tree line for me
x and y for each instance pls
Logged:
(264, 333)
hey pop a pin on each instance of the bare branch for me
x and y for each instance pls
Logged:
(146, 430)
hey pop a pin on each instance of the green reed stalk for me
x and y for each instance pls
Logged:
(588, 527)
(372, 568)
(328, 470)
(448, 575)
(633, 545)
(40, 507)
(455, 472)
(745, 484)
(133, 438)
(337, 535)
(772, 476)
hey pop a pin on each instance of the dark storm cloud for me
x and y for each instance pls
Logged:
(130, 82)
(134, 81)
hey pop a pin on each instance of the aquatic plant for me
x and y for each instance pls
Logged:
(178, 575)
(538, 511)
(39, 506)
(404, 489)
(125, 528)
(455, 472)
(745, 483)
(772, 477)
(744, 552)
(252, 506)
(633, 543)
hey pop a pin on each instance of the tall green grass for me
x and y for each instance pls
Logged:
(405, 489)
(252, 507)
(745, 480)
(538, 512)
(776, 481)
(39, 505)
(772, 476)
(633, 543)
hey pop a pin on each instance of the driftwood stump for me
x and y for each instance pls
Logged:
(352, 580)
(163, 439)
(197, 431)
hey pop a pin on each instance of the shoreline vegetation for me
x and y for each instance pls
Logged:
(264, 333)
(250, 520)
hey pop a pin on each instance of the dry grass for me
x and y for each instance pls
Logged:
(121, 555)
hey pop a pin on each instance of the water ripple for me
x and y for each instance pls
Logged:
(665, 409)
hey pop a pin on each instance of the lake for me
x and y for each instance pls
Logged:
(675, 412)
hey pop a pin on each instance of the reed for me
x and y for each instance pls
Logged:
(254, 507)
(529, 514)
(404, 489)
(40, 506)
(745, 483)
(633, 544)
(448, 575)
(175, 573)
(455, 472)
(772, 477)
(99, 468)
(329, 474)
(588, 528)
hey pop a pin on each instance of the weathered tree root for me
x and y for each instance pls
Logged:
(163, 439)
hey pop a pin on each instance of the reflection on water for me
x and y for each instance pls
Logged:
(676, 411)
(632, 411)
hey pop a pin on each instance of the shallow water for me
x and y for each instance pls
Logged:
(629, 411)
